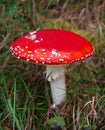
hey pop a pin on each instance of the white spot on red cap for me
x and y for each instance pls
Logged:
(30, 52)
(27, 59)
(61, 60)
(33, 37)
(32, 58)
(32, 55)
(43, 49)
(31, 33)
(36, 61)
(48, 59)
(35, 51)
(42, 58)
(54, 52)
(19, 52)
(37, 41)
(18, 57)
(51, 56)
(82, 58)
(22, 50)
(15, 49)
(26, 47)
(15, 53)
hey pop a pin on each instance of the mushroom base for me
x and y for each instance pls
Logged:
(56, 76)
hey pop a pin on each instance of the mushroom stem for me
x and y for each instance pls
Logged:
(56, 76)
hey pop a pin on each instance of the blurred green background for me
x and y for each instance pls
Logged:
(25, 102)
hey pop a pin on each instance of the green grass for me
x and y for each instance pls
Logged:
(25, 100)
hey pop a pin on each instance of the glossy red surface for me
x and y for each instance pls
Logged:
(52, 46)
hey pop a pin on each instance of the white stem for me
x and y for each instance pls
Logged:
(56, 76)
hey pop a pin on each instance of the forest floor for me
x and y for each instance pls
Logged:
(23, 106)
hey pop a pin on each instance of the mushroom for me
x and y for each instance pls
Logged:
(54, 48)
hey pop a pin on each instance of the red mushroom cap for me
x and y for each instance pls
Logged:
(52, 47)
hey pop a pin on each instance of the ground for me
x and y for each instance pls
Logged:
(25, 101)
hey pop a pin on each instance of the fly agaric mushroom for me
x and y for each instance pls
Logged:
(55, 49)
